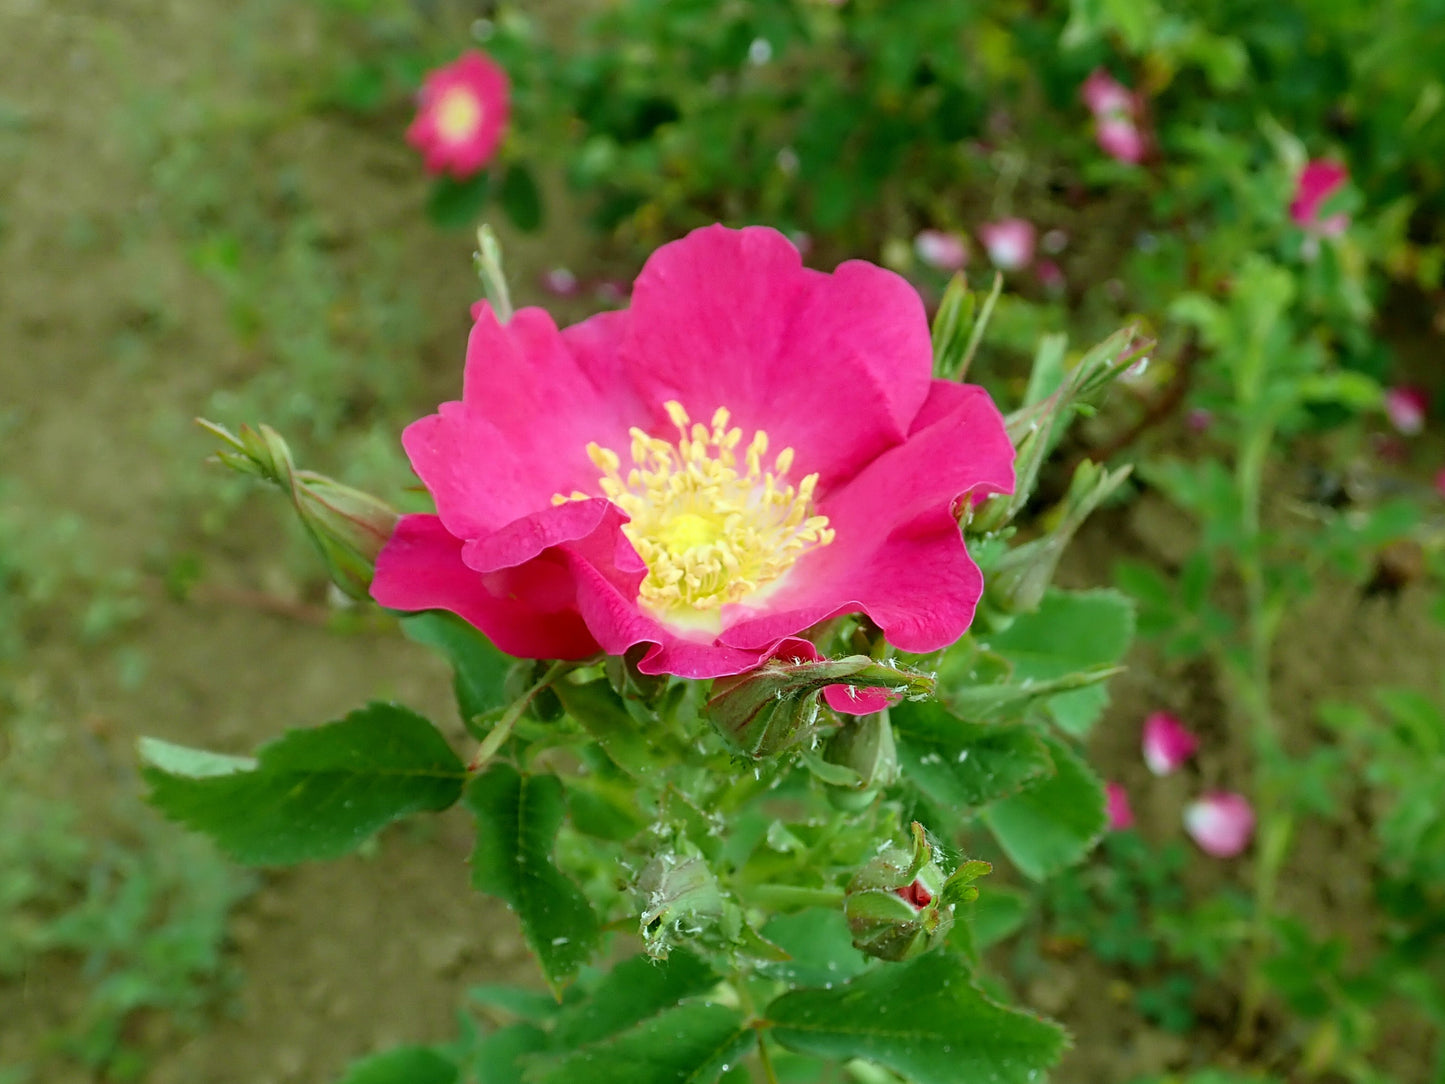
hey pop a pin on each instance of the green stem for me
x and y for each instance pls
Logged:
(503, 730)
(789, 897)
(766, 1060)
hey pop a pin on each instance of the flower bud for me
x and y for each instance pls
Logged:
(865, 746)
(348, 526)
(900, 905)
(1222, 823)
(775, 707)
(679, 895)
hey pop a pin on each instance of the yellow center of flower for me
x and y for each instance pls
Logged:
(458, 114)
(712, 528)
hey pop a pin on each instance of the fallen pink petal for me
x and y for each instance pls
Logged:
(462, 111)
(1318, 181)
(1221, 823)
(1010, 242)
(674, 474)
(1407, 408)
(1120, 812)
(1167, 743)
(941, 251)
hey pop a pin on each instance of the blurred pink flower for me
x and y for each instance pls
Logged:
(1407, 407)
(1010, 242)
(940, 250)
(1117, 111)
(1199, 419)
(461, 114)
(1317, 182)
(1121, 816)
(1440, 482)
(1221, 822)
(1051, 276)
(559, 282)
(1167, 743)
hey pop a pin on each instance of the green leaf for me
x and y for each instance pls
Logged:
(191, 763)
(531, 1005)
(603, 715)
(521, 199)
(631, 992)
(480, 669)
(405, 1065)
(1069, 632)
(1054, 823)
(922, 1018)
(318, 793)
(686, 1045)
(455, 204)
(517, 821)
(821, 947)
(500, 1057)
(961, 766)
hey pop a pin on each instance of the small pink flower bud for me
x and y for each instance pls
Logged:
(1121, 814)
(1167, 743)
(1221, 822)
(1407, 407)
(1104, 94)
(1199, 419)
(1317, 182)
(1051, 276)
(1120, 138)
(940, 250)
(1010, 242)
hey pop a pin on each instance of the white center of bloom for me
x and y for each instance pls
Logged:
(459, 114)
(710, 528)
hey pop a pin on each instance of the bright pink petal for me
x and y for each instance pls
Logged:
(1167, 743)
(529, 611)
(1121, 814)
(1318, 181)
(844, 699)
(1222, 823)
(520, 434)
(831, 365)
(898, 555)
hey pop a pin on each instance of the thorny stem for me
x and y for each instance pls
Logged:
(503, 730)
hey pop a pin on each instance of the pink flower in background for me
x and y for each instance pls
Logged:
(1010, 242)
(1222, 823)
(1121, 815)
(678, 474)
(1117, 111)
(940, 250)
(560, 282)
(1317, 182)
(1167, 743)
(461, 114)
(1199, 419)
(1050, 275)
(1440, 482)
(1407, 408)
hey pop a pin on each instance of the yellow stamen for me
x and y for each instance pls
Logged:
(711, 531)
(459, 114)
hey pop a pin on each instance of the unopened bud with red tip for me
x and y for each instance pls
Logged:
(348, 526)
(900, 903)
(775, 706)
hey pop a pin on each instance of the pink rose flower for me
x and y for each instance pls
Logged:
(750, 448)
(1407, 408)
(1121, 814)
(1167, 743)
(1222, 823)
(1010, 242)
(1117, 111)
(461, 114)
(1317, 182)
(940, 250)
